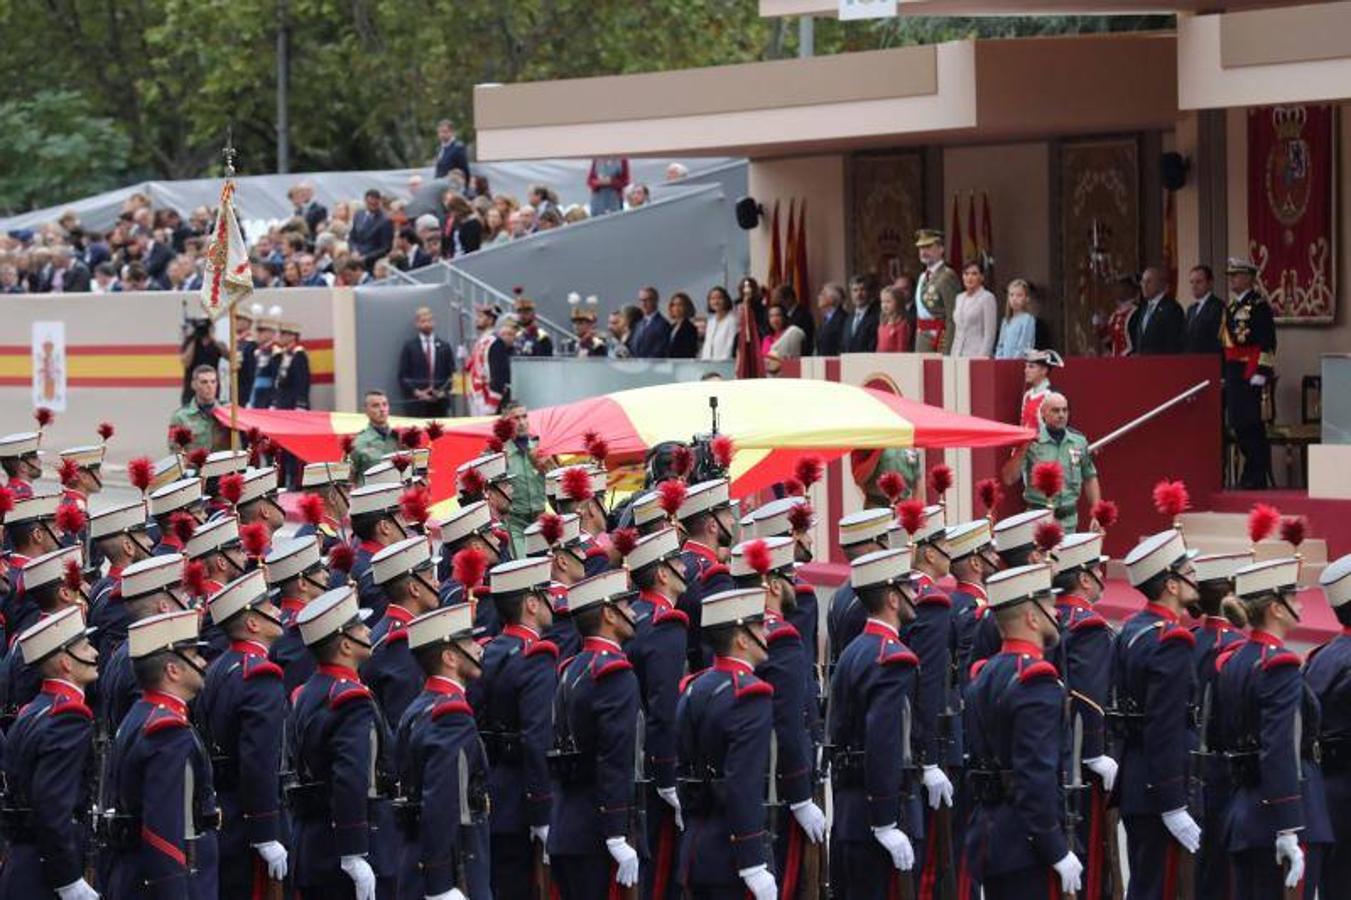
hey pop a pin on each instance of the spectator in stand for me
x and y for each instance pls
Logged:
(1160, 326)
(549, 219)
(506, 205)
(904, 286)
(723, 326)
(607, 180)
(676, 172)
(290, 273)
(894, 332)
(528, 222)
(830, 337)
(1205, 316)
(651, 337)
(860, 330)
(975, 318)
(372, 231)
(784, 340)
(798, 314)
(621, 324)
(306, 207)
(155, 254)
(638, 195)
(310, 276)
(684, 342)
(1018, 331)
(542, 198)
(352, 273)
(451, 154)
(1114, 331)
(136, 278)
(105, 279)
(69, 274)
(495, 230)
(182, 274)
(9, 280)
(750, 296)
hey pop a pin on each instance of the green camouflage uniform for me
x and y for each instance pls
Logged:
(206, 431)
(1071, 452)
(527, 499)
(371, 444)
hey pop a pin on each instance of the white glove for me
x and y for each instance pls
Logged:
(626, 858)
(452, 894)
(760, 883)
(812, 820)
(940, 789)
(895, 842)
(541, 833)
(672, 799)
(1105, 768)
(1070, 871)
(1257, 380)
(1289, 850)
(274, 854)
(80, 890)
(1182, 826)
(363, 879)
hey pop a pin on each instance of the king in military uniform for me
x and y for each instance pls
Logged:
(935, 294)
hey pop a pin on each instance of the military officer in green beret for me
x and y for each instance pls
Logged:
(1057, 442)
(376, 439)
(935, 294)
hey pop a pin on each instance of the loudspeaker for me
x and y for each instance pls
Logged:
(1173, 170)
(748, 213)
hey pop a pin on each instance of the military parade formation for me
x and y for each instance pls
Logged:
(550, 691)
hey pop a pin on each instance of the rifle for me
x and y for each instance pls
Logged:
(904, 882)
(1142, 419)
(1073, 790)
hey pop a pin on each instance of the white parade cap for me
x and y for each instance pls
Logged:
(1221, 566)
(865, 525)
(968, 538)
(441, 626)
(291, 558)
(1336, 581)
(375, 498)
(23, 443)
(117, 520)
(319, 474)
(87, 456)
(705, 496)
(655, 547)
(737, 607)
(402, 558)
(1018, 584)
(146, 576)
(1155, 554)
(165, 631)
(520, 575)
(610, 586)
(50, 567)
(491, 466)
(52, 633)
(1081, 550)
(473, 518)
(931, 525)
(780, 550)
(1269, 577)
(259, 483)
(572, 535)
(213, 536)
(245, 592)
(329, 613)
(166, 470)
(881, 567)
(772, 519)
(224, 462)
(647, 508)
(553, 481)
(1019, 531)
(175, 495)
(37, 508)
(382, 473)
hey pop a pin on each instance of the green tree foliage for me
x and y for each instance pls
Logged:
(51, 141)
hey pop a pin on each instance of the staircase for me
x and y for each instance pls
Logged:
(1227, 532)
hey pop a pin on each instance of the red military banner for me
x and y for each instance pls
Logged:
(1290, 209)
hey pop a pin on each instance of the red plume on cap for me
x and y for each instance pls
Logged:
(682, 461)
(1048, 478)
(71, 576)
(254, 537)
(194, 578)
(105, 431)
(44, 416)
(1048, 536)
(671, 496)
(722, 449)
(911, 514)
(434, 430)
(551, 528)
(347, 443)
(197, 458)
(411, 437)
(596, 447)
(1105, 513)
(468, 567)
(341, 558)
(401, 462)
(987, 490)
(504, 429)
(68, 472)
(576, 484)
(182, 525)
(493, 445)
(257, 450)
(71, 519)
(1292, 530)
(1262, 521)
(625, 540)
(757, 556)
(794, 488)
(809, 470)
(416, 505)
(892, 485)
(139, 472)
(6, 500)
(800, 517)
(254, 434)
(312, 509)
(231, 487)
(1171, 498)
(472, 482)
(940, 479)
(180, 436)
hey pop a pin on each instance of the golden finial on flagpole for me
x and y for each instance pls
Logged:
(228, 151)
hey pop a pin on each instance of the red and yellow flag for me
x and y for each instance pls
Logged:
(227, 278)
(774, 277)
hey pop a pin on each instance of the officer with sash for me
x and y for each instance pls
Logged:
(935, 294)
(1328, 674)
(1248, 334)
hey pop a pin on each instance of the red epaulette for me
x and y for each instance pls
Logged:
(977, 666)
(537, 647)
(295, 692)
(802, 588)
(756, 688)
(782, 629)
(351, 691)
(1222, 658)
(395, 635)
(255, 666)
(894, 653)
(1177, 633)
(713, 571)
(664, 615)
(1038, 669)
(1279, 659)
(595, 550)
(163, 722)
(937, 598)
(687, 680)
(613, 663)
(449, 707)
(1092, 620)
(64, 705)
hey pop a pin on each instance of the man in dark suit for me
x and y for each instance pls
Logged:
(372, 231)
(830, 338)
(860, 330)
(652, 335)
(798, 314)
(1160, 326)
(452, 153)
(75, 275)
(1205, 317)
(155, 256)
(426, 364)
(306, 207)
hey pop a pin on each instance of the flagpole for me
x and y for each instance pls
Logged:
(229, 152)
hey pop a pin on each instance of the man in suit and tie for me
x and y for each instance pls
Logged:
(1205, 317)
(1159, 326)
(830, 337)
(426, 364)
(372, 231)
(652, 335)
(860, 332)
(451, 154)
(306, 207)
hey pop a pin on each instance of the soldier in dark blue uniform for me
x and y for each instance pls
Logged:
(183, 496)
(1018, 840)
(1328, 674)
(330, 483)
(486, 478)
(793, 517)
(1153, 690)
(258, 500)
(559, 540)
(163, 835)
(860, 533)
(406, 573)
(376, 524)
(514, 703)
(1249, 338)
(52, 582)
(1016, 545)
(120, 535)
(217, 465)
(47, 765)
(344, 839)
(581, 490)
(296, 573)
(471, 527)
(1214, 634)
(710, 531)
(878, 815)
(443, 769)
(31, 531)
(241, 713)
(724, 728)
(1277, 824)
(596, 828)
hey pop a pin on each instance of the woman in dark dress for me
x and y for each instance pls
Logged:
(684, 336)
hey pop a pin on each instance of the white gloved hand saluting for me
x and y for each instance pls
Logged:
(939, 788)
(895, 842)
(1183, 827)
(77, 890)
(363, 877)
(1289, 851)
(812, 820)
(1105, 768)
(1071, 873)
(760, 883)
(626, 858)
(672, 799)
